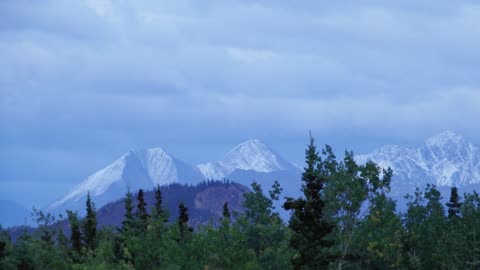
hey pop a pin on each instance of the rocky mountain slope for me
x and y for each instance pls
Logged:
(446, 159)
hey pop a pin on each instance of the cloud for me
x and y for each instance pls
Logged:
(88, 80)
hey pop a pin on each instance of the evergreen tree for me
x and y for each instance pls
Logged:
(90, 224)
(226, 211)
(308, 223)
(75, 234)
(128, 220)
(454, 204)
(159, 211)
(141, 214)
(183, 221)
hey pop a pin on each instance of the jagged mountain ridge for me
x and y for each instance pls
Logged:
(446, 159)
(150, 167)
(251, 155)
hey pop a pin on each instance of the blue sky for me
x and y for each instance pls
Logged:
(82, 82)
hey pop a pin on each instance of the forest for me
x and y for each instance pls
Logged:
(344, 220)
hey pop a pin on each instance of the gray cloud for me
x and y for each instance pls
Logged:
(82, 82)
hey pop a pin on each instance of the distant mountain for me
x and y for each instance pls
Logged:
(12, 213)
(253, 160)
(134, 170)
(204, 202)
(446, 159)
(251, 155)
(248, 161)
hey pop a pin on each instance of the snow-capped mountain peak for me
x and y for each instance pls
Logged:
(136, 169)
(445, 159)
(253, 155)
(250, 155)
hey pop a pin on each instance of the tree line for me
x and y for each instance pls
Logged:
(344, 220)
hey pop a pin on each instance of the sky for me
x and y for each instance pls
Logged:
(83, 82)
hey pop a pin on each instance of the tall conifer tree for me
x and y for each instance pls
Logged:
(454, 204)
(128, 220)
(90, 224)
(308, 224)
(141, 214)
(183, 220)
(159, 211)
(75, 234)
(226, 211)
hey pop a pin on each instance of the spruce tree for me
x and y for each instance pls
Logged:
(159, 211)
(141, 214)
(226, 211)
(454, 204)
(90, 225)
(128, 220)
(308, 224)
(183, 221)
(75, 234)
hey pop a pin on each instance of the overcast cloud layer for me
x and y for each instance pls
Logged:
(82, 82)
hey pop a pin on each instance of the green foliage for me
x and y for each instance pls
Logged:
(24, 251)
(7, 258)
(45, 250)
(470, 230)
(265, 232)
(352, 191)
(425, 224)
(380, 236)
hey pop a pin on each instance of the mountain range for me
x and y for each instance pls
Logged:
(248, 161)
(446, 159)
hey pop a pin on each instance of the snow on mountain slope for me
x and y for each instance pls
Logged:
(251, 160)
(251, 155)
(134, 170)
(254, 161)
(446, 159)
